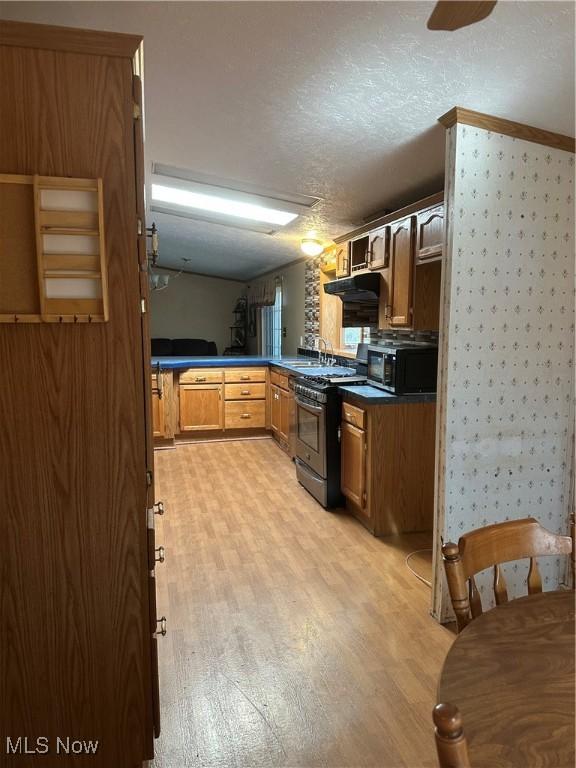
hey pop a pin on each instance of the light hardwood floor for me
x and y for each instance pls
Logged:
(295, 638)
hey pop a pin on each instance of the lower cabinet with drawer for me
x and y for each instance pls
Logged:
(248, 414)
(188, 403)
(245, 396)
(387, 465)
(217, 400)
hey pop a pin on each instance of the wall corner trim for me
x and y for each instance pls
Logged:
(508, 128)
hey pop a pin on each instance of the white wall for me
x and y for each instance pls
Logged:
(292, 307)
(194, 306)
(506, 419)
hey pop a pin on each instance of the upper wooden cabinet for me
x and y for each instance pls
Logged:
(379, 249)
(342, 260)
(402, 267)
(430, 234)
(359, 249)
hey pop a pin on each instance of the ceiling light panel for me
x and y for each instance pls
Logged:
(179, 192)
(218, 204)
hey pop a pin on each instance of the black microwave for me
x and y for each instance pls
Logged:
(403, 370)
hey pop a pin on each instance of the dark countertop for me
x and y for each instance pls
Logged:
(364, 394)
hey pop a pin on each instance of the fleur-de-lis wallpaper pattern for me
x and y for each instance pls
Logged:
(507, 411)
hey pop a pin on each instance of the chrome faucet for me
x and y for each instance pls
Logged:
(326, 360)
(321, 340)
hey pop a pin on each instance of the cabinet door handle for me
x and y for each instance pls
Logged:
(159, 508)
(245, 392)
(200, 378)
(159, 382)
(160, 555)
(162, 631)
(245, 416)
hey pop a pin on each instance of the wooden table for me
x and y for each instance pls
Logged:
(511, 674)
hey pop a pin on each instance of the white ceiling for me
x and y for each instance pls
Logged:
(338, 100)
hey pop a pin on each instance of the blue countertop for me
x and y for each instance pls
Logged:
(367, 395)
(174, 363)
(232, 361)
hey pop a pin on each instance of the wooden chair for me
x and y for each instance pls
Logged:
(491, 546)
(450, 740)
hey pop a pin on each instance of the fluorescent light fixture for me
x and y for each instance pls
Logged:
(194, 195)
(223, 205)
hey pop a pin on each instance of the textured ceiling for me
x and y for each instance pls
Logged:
(337, 100)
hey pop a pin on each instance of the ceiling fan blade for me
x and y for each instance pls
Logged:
(453, 14)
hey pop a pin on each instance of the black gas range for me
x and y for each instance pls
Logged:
(318, 412)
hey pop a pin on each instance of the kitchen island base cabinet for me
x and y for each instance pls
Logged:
(388, 467)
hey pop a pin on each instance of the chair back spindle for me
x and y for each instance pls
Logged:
(500, 591)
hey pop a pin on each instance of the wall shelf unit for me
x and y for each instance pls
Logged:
(52, 250)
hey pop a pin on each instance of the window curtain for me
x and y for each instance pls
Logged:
(261, 294)
(272, 324)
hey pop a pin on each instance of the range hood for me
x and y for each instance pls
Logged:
(358, 289)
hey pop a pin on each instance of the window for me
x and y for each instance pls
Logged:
(272, 326)
(351, 337)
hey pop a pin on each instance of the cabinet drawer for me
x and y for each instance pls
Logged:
(246, 415)
(201, 376)
(244, 374)
(279, 379)
(245, 391)
(354, 415)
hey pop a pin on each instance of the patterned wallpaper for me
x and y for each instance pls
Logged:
(507, 414)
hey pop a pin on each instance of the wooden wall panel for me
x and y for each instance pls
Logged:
(73, 638)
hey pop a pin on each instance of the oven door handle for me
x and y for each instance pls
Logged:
(308, 406)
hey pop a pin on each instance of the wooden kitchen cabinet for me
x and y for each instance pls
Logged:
(249, 414)
(274, 408)
(77, 644)
(379, 249)
(353, 463)
(284, 429)
(201, 407)
(430, 234)
(406, 247)
(282, 411)
(342, 260)
(162, 405)
(387, 468)
(158, 421)
(402, 242)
